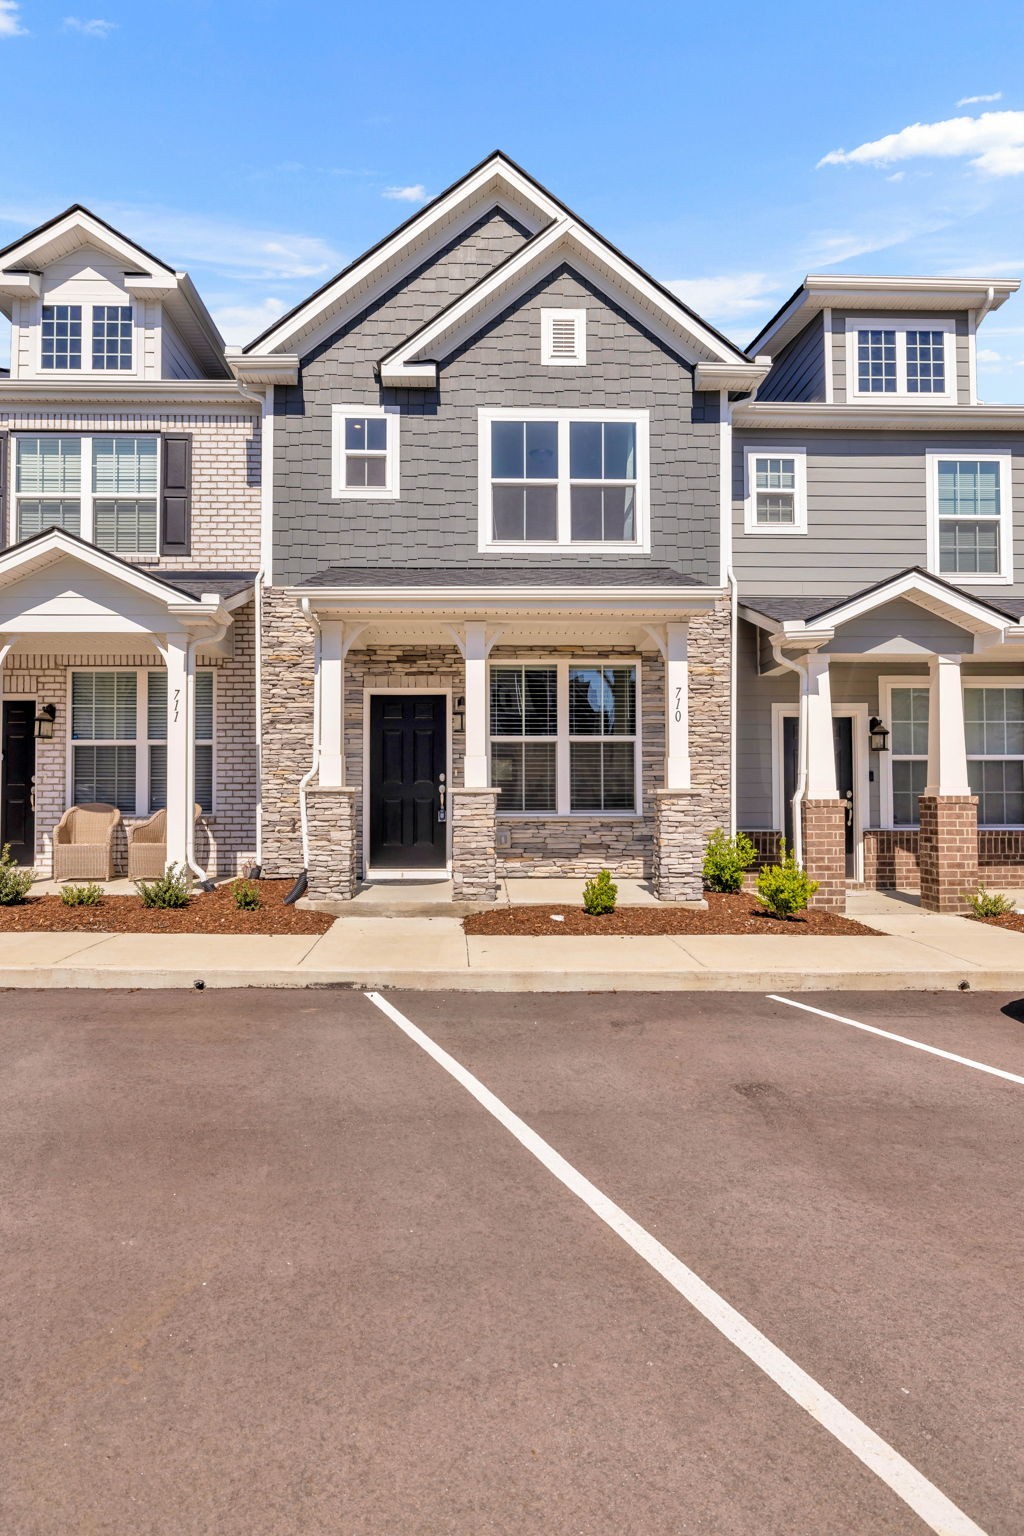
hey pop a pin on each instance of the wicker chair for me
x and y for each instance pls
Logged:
(83, 843)
(147, 846)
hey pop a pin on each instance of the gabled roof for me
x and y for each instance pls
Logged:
(794, 616)
(496, 181)
(820, 291)
(22, 262)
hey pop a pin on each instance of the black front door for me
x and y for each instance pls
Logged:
(842, 738)
(408, 766)
(17, 814)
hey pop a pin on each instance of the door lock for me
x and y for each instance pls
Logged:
(849, 807)
(442, 790)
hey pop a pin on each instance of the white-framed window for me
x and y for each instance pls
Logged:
(563, 338)
(565, 737)
(908, 750)
(573, 478)
(118, 739)
(970, 515)
(901, 358)
(994, 727)
(110, 329)
(104, 489)
(365, 452)
(775, 492)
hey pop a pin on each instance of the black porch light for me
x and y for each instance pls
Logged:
(44, 722)
(878, 735)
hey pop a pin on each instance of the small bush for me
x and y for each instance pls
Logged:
(726, 861)
(247, 895)
(600, 894)
(173, 889)
(988, 903)
(15, 883)
(88, 895)
(784, 889)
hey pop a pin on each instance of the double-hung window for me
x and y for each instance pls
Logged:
(156, 731)
(64, 326)
(908, 709)
(994, 727)
(564, 737)
(969, 515)
(365, 452)
(105, 489)
(776, 490)
(896, 358)
(119, 739)
(575, 478)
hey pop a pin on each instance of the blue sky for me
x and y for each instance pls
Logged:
(261, 144)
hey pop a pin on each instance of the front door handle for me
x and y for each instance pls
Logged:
(442, 790)
(849, 807)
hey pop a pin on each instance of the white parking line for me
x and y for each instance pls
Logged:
(887, 1034)
(938, 1512)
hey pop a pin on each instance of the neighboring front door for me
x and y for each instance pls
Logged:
(842, 737)
(17, 813)
(408, 783)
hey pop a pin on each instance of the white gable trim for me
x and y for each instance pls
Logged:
(913, 585)
(79, 227)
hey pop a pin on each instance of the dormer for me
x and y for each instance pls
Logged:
(879, 342)
(87, 305)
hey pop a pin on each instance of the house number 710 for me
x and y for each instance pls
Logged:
(679, 705)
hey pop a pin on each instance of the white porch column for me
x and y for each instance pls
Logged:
(677, 707)
(180, 736)
(947, 743)
(475, 651)
(816, 686)
(332, 702)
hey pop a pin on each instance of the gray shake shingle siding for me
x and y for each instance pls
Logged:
(798, 373)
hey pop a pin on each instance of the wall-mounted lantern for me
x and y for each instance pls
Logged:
(44, 722)
(459, 715)
(878, 735)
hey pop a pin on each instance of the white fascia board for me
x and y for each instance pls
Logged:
(102, 392)
(496, 171)
(20, 285)
(280, 368)
(734, 377)
(90, 232)
(15, 562)
(181, 300)
(777, 414)
(913, 584)
(524, 602)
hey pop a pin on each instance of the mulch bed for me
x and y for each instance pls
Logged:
(1014, 921)
(725, 914)
(207, 912)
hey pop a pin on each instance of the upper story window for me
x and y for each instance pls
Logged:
(578, 478)
(365, 452)
(62, 331)
(969, 516)
(563, 337)
(901, 359)
(104, 489)
(775, 498)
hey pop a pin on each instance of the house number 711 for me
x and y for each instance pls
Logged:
(177, 696)
(679, 706)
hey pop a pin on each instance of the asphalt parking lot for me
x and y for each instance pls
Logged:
(270, 1267)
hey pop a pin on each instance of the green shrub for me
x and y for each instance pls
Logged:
(14, 882)
(726, 861)
(247, 895)
(784, 888)
(173, 889)
(600, 894)
(88, 895)
(988, 903)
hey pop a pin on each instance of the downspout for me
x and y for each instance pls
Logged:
(728, 578)
(801, 775)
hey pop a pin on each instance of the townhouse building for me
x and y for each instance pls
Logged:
(491, 558)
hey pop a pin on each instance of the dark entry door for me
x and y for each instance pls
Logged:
(408, 786)
(17, 814)
(842, 737)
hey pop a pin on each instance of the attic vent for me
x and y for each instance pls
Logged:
(563, 334)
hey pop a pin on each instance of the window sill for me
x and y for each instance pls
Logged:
(971, 579)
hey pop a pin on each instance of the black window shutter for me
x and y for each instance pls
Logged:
(176, 497)
(4, 441)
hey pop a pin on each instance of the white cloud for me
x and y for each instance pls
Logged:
(239, 323)
(727, 298)
(993, 143)
(94, 28)
(971, 101)
(417, 194)
(987, 355)
(10, 24)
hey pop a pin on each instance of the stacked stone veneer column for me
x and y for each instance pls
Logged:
(679, 837)
(824, 834)
(287, 705)
(947, 850)
(474, 861)
(330, 817)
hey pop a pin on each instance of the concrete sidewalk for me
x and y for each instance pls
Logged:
(915, 951)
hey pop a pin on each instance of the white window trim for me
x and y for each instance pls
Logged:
(387, 492)
(886, 685)
(563, 787)
(87, 367)
(750, 524)
(143, 741)
(579, 321)
(901, 324)
(1005, 461)
(86, 495)
(642, 542)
